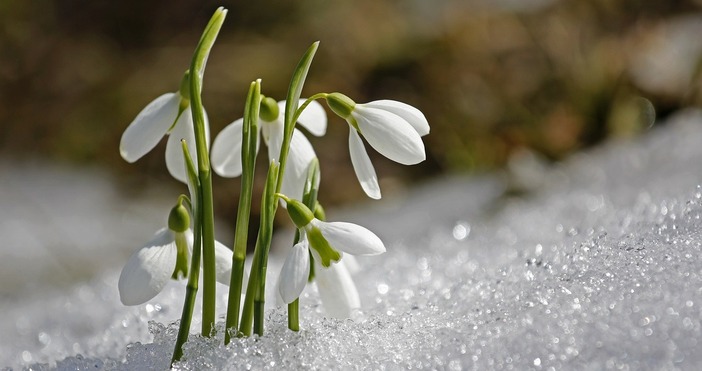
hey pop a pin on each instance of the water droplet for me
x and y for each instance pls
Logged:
(44, 338)
(461, 230)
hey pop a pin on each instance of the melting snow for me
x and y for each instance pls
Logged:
(595, 266)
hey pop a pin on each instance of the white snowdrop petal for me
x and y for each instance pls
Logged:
(148, 269)
(362, 165)
(350, 238)
(337, 291)
(299, 158)
(226, 150)
(295, 272)
(281, 110)
(175, 162)
(390, 135)
(273, 136)
(410, 114)
(150, 125)
(279, 302)
(313, 118)
(207, 130)
(351, 263)
(223, 263)
(190, 239)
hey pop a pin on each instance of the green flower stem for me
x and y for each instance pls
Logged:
(194, 272)
(268, 208)
(248, 155)
(197, 69)
(309, 198)
(254, 302)
(189, 304)
(255, 293)
(294, 307)
(294, 315)
(307, 103)
(292, 112)
(246, 322)
(291, 107)
(311, 189)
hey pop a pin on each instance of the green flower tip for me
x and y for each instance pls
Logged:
(182, 257)
(300, 214)
(221, 10)
(341, 104)
(327, 254)
(269, 109)
(179, 219)
(219, 15)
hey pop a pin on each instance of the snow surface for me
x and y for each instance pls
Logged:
(594, 264)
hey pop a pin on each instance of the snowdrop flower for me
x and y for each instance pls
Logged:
(392, 128)
(169, 115)
(337, 291)
(165, 256)
(226, 149)
(336, 288)
(327, 240)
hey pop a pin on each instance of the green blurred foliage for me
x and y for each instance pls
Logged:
(492, 77)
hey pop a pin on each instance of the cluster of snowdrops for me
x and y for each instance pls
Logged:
(187, 243)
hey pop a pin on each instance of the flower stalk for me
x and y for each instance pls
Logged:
(248, 155)
(254, 302)
(309, 198)
(194, 272)
(197, 69)
(292, 111)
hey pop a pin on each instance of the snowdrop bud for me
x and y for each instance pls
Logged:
(300, 214)
(269, 109)
(341, 104)
(179, 219)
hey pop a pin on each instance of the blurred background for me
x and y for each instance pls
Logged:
(495, 78)
(508, 86)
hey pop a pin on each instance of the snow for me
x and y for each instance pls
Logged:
(593, 264)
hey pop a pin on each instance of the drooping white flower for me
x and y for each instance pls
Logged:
(336, 288)
(337, 291)
(226, 149)
(169, 115)
(392, 128)
(165, 256)
(295, 272)
(327, 240)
